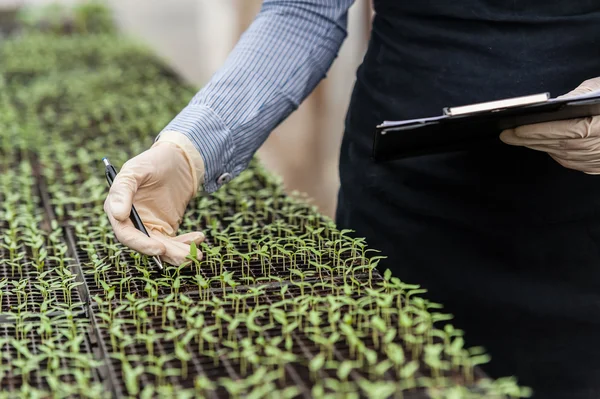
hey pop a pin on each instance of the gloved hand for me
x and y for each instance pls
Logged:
(575, 143)
(160, 181)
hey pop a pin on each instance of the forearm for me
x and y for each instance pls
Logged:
(276, 64)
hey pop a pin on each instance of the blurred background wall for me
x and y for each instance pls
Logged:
(195, 37)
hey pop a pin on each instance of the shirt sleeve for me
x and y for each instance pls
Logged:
(276, 64)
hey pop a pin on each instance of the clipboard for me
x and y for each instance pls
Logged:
(460, 127)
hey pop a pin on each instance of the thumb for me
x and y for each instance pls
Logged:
(120, 195)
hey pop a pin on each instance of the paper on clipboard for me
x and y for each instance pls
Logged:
(408, 121)
(578, 97)
(463, 125)
(534, 99)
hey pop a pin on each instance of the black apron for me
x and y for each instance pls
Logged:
(506, 238)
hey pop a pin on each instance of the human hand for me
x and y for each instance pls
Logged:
(573, 143)
(160, 181)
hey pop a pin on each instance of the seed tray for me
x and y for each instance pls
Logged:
(342, 349)
(9, 300)
(28, 272)
(277, 272)
(296, 374)
(12, 380)
(303, 345)
(342, 352)
(199, 365)
(34, 301)
(136, 352)
(42, 189)
(268, 293)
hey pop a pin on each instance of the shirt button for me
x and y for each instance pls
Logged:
(224, 178)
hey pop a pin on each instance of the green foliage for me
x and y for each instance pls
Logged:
(279, 292)
(82, 18)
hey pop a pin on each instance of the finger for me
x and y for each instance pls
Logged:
(556, 149)
(176, 252)
(585, 167)
(122, 191)
(562, 162)
(196, 237)
(563, 129)
(586, 150)
(588, 167)
(587, 146)
(589, 86)
(509, 136)
(132, 238)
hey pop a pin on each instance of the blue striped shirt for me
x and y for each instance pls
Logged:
(276, 64)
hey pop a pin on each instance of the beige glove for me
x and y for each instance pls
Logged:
(160, 181)
(574, 143)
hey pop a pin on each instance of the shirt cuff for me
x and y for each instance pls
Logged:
(211, 139)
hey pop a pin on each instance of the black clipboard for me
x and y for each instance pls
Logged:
(460, 127)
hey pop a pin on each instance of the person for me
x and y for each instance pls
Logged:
(505, 233)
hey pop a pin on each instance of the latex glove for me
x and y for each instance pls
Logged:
(160, 181)
(574, 143)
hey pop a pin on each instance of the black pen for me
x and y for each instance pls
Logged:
(111, 174)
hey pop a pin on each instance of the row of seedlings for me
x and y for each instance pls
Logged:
(45, 348)
(282, 304)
